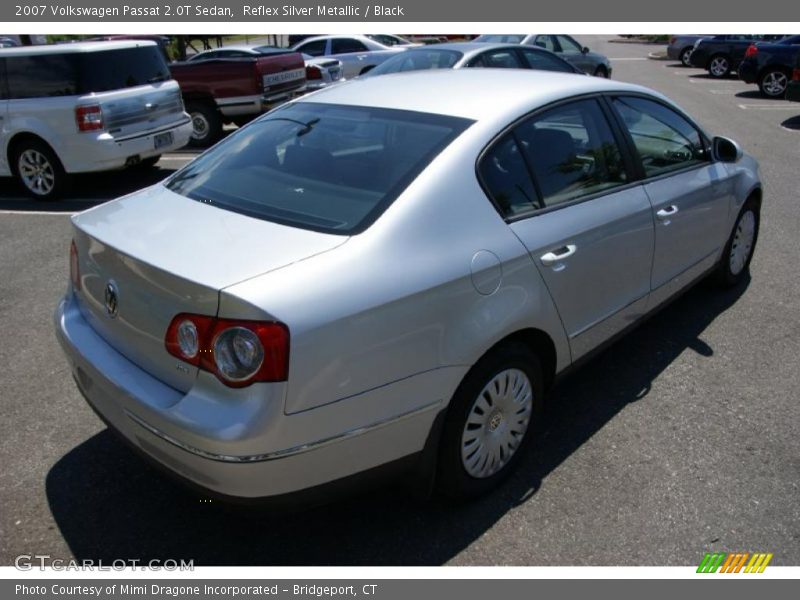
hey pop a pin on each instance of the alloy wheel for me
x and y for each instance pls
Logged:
(36, 172)
(774, 83)
(719, 66)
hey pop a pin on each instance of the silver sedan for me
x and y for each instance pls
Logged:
(390, 273)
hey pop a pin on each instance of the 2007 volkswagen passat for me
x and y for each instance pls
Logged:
(392, 272)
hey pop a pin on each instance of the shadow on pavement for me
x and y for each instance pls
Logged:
(86, 190)
(110, 505)
(792, 122)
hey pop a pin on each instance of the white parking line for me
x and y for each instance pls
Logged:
(630, 58)
(38, 212)
(766, 107)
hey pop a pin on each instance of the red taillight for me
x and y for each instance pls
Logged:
(672, 40)
(752, 50)
(74, 271)
(313, 72)
(796, 74)
(206, 352)
(89, 118)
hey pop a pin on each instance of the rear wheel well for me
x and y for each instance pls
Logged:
(540, 344)
(755, 196)
(18, 139)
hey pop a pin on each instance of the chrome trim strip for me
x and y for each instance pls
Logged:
(280, 453)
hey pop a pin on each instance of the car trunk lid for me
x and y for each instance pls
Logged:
(147, 257)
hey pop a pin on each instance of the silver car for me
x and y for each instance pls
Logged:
(358, 53)
(391, 272)
(567, 47)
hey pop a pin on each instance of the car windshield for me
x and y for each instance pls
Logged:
(325, 167)
(418, 60)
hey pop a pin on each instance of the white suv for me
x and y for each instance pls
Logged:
(84, 107)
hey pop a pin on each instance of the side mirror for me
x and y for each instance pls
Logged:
(585, 50)
(726, 150)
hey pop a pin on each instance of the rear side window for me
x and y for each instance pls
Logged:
(43, 76)
(497, 59)
(664, 140)
(557, 156)
(316, 48)
(542, 61)
(118, 69)
(329, 168)
(69, 74)
(345, 45)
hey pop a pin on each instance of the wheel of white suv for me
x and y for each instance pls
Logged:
(491, 419)
(773, 83)
(39, 170)
(738, 253)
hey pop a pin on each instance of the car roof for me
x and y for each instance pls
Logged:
(75, 48)
(476, 94)
(475, 47)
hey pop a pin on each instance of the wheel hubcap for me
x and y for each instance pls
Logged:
(742, 244)
(686, 57)
(496, 423)
(200, 126)
(775, 83)
(36, 172)
(719, 66)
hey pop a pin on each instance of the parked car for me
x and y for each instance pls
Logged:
(721, 54)
(358, 53)
(391, 273)
(793, 89)
(460, 55)
(6, 42)
(320, 72)
(680, 48)
(565, 46)
(219, 88)
(84, 107)
(390, 40)
(770, 65)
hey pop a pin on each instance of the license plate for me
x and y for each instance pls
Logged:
(162, 139)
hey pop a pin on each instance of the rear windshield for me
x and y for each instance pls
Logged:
(417, 60)
(71, 74)
(329, 168)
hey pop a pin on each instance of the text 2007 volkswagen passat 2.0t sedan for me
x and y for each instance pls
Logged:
(391, 272)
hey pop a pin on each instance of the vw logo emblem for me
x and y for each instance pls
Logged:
(112, 299)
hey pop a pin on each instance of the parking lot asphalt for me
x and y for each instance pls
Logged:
(682, 438)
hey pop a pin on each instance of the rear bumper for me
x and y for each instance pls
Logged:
(88, 152)
(246, 447)
(793, 91)
(748, 72)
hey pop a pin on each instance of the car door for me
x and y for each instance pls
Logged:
(355, 56)
(570, 50)
(562, 182)
(691, 195)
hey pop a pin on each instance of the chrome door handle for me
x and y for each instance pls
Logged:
(666, 213)
(558, 255)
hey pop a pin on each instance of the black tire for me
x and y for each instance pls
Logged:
(39, 170)
(601, 72)
(453, 479)
(773, 83)
(727, 274)
(148, 163)
(206, 124)
(719, 66)
(685, 56)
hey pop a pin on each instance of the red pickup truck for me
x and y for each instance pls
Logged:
(235, 90)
